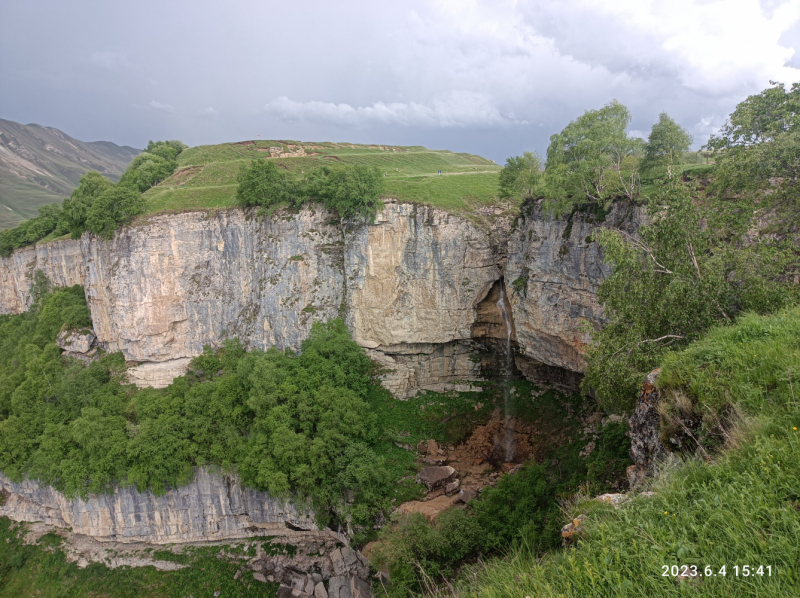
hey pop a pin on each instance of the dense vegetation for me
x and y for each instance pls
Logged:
(352, 191)
(712, 250)
(521, 511)
(289, 423)
(40, 570)
(96, 204)
(739, 509)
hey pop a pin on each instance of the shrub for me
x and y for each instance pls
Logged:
(263, 183)
(113, 208)
(76, 207)
(353, 191)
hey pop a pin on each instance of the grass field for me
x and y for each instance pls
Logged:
(206, 175)
(739, 508)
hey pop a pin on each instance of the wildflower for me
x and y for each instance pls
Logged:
(666, 512)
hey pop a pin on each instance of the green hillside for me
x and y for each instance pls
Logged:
(206, 175)
(41, 165)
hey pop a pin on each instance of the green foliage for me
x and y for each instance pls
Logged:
(298, 424)
(666, 144)
(592, 160)
(76, 207)
(739, 509)
(112, 208)
(758, 149)
(680, 277)
(41, 569)
(263, 183)
(31, 231)
(152, 166)
(353, 191)
(521, 176)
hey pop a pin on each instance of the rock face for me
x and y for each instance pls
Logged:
(552, 277)
(646, 447)
(418, 288)
(212, 507)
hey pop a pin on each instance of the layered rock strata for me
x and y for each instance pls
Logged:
(553, 272)
(212, 507)
(417, 288)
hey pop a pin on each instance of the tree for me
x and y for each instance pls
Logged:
(263, 183)
(353, 191)
(665, 145)
(758, 148)
(681, 275)
(113, 208)
(521, 176)
(591, 160)
(76, 207)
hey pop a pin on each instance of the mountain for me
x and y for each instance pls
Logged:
(41, 165)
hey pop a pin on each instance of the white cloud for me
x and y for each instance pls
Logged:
(454, 109)
(161, 107)
(207, 113)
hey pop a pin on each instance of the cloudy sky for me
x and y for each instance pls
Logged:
(489, 77)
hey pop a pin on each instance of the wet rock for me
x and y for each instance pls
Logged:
(435, 477)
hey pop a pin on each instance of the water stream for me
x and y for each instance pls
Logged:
(509, 441)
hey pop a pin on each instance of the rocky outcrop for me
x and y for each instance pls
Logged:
(212, 507)
(552, 277)
(647, 451)
(419, 288)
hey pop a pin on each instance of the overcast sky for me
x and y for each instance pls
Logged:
(488, 77)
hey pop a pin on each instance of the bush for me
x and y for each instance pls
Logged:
(76, 207)
(113, 208)
(262, 183)
(31, 231)
(353, 191)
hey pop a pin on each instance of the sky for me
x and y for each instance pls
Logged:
(494, 78)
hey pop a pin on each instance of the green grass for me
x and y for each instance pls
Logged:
(42, 570)
(206, 175)
(741, 508)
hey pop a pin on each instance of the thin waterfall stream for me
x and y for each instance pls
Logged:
(508, 434)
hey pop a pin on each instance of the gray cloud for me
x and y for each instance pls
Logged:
(468, 75)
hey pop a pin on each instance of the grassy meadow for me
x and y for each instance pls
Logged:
(206, 175)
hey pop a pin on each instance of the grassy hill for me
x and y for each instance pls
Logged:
(206, 175)
(41, 165)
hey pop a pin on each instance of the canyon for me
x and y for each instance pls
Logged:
(417, 288)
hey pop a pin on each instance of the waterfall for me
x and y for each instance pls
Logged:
(508, 434)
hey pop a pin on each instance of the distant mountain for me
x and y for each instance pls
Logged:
(40, 165)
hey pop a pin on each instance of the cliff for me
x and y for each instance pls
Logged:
(213, 507)
(414, 287)
(552, 277)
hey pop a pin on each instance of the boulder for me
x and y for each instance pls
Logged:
(76, 340)
(572, 531)
(320, 591)
(452, 487)
(360, 588)
(436, 476)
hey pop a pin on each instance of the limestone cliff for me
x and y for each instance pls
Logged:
(213, 507)
(417, 288)
(552, 277)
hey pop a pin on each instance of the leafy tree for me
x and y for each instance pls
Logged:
(147, 170)
(113, 208)
(263, 183)
(521, 176)
(758, 150)
(680, 276)
(666, 144)
(591, 160)
(76, 207)
(31, 231)
(353, 191)
(168, 150)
